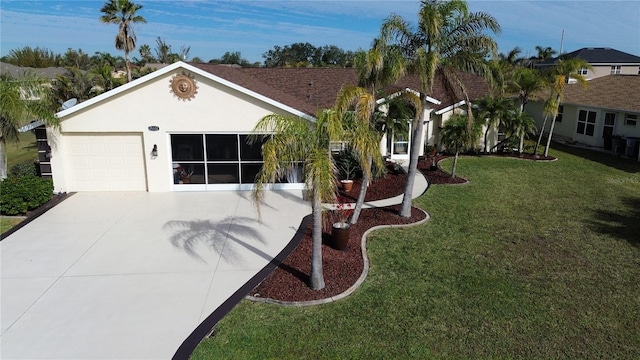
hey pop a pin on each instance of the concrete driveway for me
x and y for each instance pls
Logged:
(130, 275)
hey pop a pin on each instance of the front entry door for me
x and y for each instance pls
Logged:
(607, 130)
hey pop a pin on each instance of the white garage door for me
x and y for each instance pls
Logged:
(113, 162)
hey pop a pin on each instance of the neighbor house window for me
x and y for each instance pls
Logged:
(631, 119)
(583, 71)
(586, 122)
(559, 116)
(616, 69)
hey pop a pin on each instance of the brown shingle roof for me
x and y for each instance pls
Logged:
(313, 89)
(614, 92)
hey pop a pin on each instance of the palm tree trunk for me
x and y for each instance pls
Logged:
(316, 278)
(366, 177)
(416, 139)
(544, 123)
(128, 65)
(486, 134)
(553, 124)
(521, 145)
(455, 164)
(3, 161)
(546, 149)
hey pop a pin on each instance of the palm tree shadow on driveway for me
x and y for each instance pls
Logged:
(226, 237)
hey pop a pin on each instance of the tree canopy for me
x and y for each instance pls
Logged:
(304, 55)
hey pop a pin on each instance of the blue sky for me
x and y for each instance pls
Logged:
(211, 27)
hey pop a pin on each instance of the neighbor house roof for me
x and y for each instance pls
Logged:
(596, 55)
(613, 92)
(18, 72)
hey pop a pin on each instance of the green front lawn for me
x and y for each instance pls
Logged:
(530, 260)
(23, 151)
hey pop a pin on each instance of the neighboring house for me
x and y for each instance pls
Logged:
(604, 61)
(18, 72)
(604, 115)
(184, 127)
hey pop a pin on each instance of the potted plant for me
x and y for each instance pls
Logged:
(340, 229)
(348, 167)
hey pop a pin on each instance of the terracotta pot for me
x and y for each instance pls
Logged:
(347, 184)
(340, 235)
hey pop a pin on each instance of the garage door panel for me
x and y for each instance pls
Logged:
(113, 162)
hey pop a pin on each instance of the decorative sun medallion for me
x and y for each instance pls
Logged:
(184, 87)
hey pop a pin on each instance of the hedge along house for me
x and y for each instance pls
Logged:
(184, 127)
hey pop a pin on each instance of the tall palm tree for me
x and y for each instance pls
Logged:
(124, 14)
(447, 37)
(355, 107)
(376, 68)
(456, 136)
(290, 141)
(562, 72)
(21, 102)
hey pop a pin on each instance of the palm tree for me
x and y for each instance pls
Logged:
(544, 53)
(124, 14)
(376, 68)
(103, 77)
(290, 141)
(526, 82)
(457, 136)
(145, 54)
(447, 37)
(494, 109)
(564, 70)
(22, 101)
(74, 84)
(519, 124)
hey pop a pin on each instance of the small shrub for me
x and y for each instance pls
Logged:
(27, 168)
(21, 194)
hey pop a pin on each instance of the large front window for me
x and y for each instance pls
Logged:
(586, 122)
(214, 159)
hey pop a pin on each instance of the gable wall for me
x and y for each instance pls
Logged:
(216, 108)
(604, 70)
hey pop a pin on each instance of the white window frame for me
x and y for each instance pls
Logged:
(583, 71)
(616, 69)
(630, 119)
(586, 123)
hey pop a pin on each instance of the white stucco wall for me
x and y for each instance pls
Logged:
(568, 126)
(215, 108)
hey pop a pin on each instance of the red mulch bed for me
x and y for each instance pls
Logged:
(341, 268)
(289, 281)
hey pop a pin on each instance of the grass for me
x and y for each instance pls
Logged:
(23, 151)
(529, 260)
(7, 223)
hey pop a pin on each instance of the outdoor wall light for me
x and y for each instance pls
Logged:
(154, 152)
